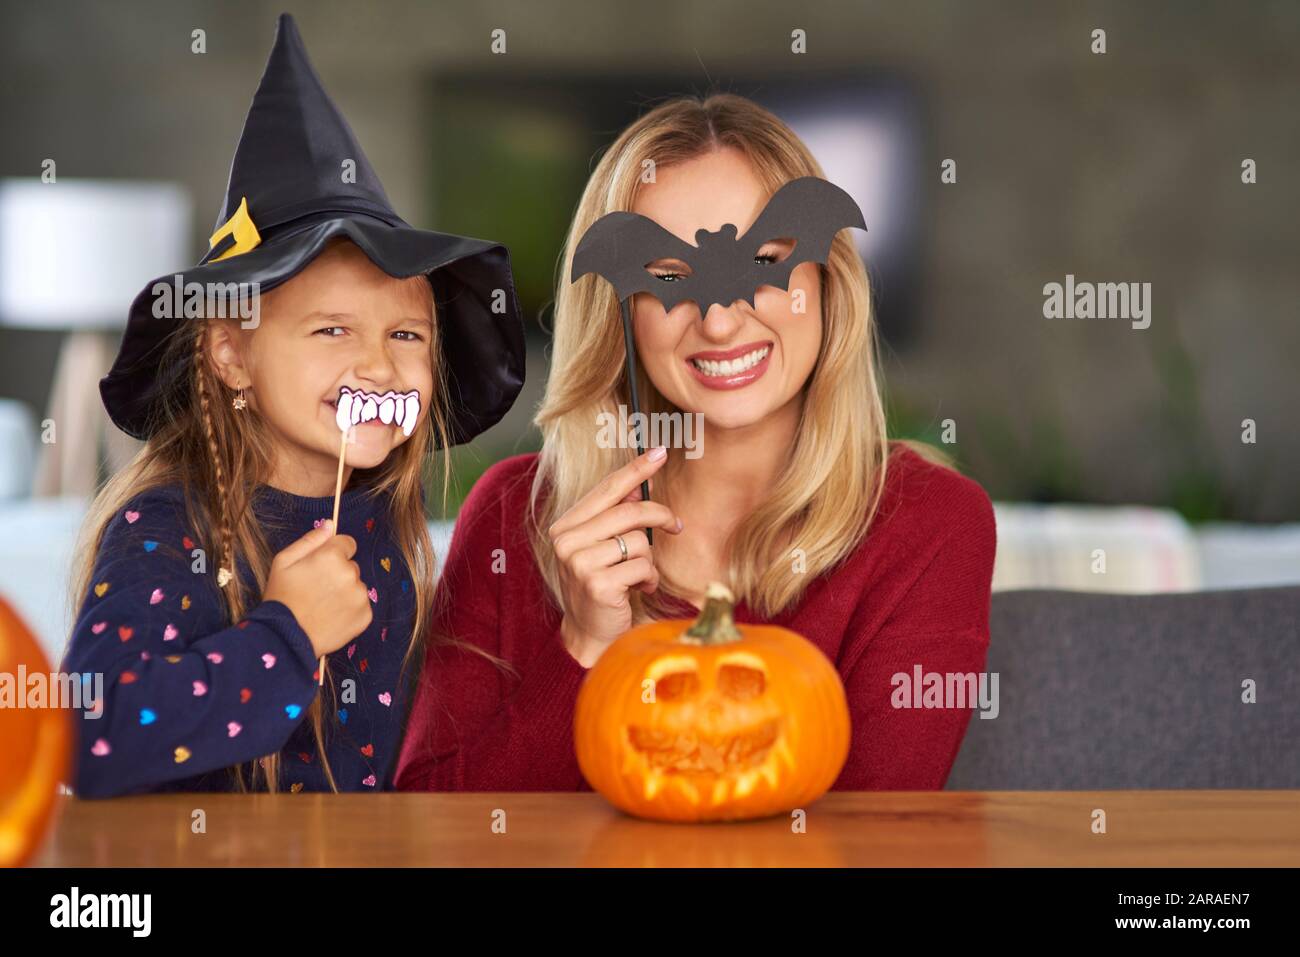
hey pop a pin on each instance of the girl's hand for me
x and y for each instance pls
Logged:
(594, 578)
(318, 581)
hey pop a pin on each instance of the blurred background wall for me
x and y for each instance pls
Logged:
(1122, 167)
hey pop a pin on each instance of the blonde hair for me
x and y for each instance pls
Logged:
(219, 456)
(828, 492)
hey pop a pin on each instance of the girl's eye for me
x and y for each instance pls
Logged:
(668, 276)
(333, 332)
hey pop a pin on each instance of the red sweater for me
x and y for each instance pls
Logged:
(914, 592)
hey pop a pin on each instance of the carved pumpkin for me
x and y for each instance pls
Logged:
(34, 746)
(707, 721)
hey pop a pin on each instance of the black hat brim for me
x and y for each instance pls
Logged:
(482, 349)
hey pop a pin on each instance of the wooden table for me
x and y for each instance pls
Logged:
(946, 828)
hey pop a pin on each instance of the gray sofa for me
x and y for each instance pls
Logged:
(1101, 691)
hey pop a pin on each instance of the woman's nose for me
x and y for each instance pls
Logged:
(720, 323)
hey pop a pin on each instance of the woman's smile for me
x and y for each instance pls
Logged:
(732, 368)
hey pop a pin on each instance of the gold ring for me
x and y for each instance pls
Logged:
(622, 547)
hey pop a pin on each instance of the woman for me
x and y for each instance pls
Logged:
(799, 502)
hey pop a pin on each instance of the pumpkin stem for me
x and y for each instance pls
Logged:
(715, 626)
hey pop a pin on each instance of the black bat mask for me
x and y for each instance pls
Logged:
(619, 246)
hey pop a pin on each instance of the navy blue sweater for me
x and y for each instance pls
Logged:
(186, 695)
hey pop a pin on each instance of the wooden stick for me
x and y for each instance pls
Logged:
(338, 491)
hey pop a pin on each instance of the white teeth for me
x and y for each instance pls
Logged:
(412, 412)
(390, 408)
(343, 416)
(729, 367)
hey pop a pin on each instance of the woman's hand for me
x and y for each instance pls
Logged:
(594, 577)
(318, 581)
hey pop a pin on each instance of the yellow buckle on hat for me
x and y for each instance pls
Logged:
(241, 229)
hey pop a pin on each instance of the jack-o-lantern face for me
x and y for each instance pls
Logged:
(715, 727)
(711, 728)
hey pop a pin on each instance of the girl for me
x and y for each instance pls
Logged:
(878, 556)
(213, 579)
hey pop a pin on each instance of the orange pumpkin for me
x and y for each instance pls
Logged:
(34, 747)
(709, 721)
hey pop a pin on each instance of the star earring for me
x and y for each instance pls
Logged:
(239, 402)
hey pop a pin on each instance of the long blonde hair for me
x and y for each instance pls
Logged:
(219, 457)
(827, 494)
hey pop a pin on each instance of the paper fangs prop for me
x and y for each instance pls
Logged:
(723, 267)
(356, 406)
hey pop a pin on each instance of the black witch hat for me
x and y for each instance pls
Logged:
(286, 199)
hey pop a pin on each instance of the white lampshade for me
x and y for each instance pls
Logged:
(74, 253)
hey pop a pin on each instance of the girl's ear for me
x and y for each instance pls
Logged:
(224, 349)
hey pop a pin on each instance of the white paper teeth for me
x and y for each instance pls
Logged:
(343, 415)
(356, 406)
(412, 412)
